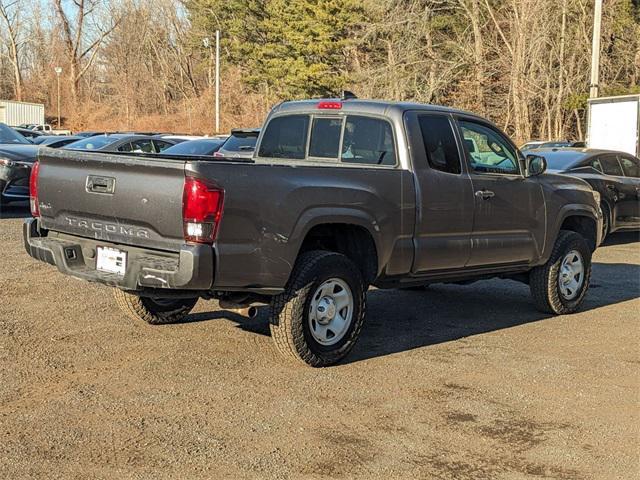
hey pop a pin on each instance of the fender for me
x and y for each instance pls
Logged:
(570, 210)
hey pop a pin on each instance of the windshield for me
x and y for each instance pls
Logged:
(10, 136)
(240, 144)
(92, 143)
(195, 147)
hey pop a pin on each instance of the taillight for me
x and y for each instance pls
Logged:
(329, 105)
(201, 210)
(33, 189)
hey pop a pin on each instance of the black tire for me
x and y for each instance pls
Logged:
(543, 280)
(606, 220)
(154, 311)
(289, 312)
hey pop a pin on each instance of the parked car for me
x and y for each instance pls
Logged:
(339, 195)
(531, 145)
(29, 134)
(204, 146)
(179, 137)
(89, 133)
(615, 175)
(47, 129)
(10, 136)
(553, 144)
(17, 154)
(55, 141)
(122, 142)
(241, 143)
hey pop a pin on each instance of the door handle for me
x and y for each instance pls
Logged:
(485, 194)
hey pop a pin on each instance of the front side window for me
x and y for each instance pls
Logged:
(368, 141)
(596, 164)
(487, 151)
(630, 166)
(439, 143)
(285, 137)
(325, 137)
(610, 165)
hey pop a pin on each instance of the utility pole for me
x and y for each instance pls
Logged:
(595, 50)
(217, 81)
(58, 71)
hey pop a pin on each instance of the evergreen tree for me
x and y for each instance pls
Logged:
(295, 48)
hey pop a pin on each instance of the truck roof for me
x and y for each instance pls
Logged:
(375, 107)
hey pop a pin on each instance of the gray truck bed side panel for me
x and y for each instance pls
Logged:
(269, 209)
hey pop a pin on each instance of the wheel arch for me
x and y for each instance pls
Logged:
(582, 219)
(351, 233)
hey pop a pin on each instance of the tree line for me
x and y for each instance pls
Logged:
(144, 64)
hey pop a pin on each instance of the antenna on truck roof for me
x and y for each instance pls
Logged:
(347, 95)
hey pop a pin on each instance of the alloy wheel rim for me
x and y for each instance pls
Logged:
(571, 275)
(331, 311)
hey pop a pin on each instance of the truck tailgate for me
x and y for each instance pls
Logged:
(120, 199)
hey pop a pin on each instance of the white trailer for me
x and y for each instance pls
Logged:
(614, 123)
(18, 113)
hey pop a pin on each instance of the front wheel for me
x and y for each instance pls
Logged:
(319, 317)
(155, 311)
(559, 286)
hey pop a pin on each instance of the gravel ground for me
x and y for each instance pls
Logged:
(460, 382)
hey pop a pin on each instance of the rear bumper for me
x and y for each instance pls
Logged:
(190, 269)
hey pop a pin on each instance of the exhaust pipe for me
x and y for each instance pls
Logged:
(244, 310)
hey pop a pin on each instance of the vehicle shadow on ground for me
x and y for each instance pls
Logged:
(402, 320)
(15, 210)
(621, 238)
(405, 320)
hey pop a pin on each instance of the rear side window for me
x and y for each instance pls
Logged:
(440, 144)
(369, 141)
(161, 146)
(285, 137)
(630, 166)
(325, 137)
(610, 165)
(240, 143)
(137, 146)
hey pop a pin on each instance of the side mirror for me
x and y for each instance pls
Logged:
(536, 165)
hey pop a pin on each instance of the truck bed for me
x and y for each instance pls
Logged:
(129, 202)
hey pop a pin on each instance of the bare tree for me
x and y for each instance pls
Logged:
(82, 38)
(10, 16)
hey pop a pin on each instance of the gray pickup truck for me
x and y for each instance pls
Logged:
(339, 196)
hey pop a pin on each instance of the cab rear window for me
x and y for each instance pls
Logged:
(351, 139)
(285, 137)
(369, 141)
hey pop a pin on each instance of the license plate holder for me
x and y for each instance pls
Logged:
(111, 260)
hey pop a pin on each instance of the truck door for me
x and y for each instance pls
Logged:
(509, 214)
(444, 205)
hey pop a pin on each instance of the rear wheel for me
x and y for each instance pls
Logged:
(559, 286)
(155, 311)
(319, 317)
